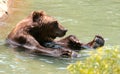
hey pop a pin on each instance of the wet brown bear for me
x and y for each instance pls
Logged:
(37, 33)
(32, 32)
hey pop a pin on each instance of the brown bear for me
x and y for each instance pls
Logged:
(37, 33)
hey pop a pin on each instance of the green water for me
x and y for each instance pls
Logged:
(83, 18)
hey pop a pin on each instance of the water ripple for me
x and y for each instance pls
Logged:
(61, 68)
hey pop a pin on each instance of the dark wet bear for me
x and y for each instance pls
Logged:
(35, 30)
(37, 33)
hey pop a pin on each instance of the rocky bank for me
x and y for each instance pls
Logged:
(4, 8)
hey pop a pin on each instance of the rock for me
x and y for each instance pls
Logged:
(4, 6)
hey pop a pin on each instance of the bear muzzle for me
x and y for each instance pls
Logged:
(61, 33)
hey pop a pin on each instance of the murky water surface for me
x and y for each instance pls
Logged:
(83, 18)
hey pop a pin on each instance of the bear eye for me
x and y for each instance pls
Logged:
(55, 24)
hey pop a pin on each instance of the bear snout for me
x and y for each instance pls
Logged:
(60, 33)
(64, 30)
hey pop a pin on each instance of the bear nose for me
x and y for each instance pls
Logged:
(65, 30)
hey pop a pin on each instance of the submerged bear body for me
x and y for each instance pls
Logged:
(38, 31)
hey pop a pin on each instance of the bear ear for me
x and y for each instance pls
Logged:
(42, 13)
(36, 15)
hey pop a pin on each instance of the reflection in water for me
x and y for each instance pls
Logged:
(83, 18)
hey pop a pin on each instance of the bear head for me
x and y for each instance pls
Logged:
(47, 27)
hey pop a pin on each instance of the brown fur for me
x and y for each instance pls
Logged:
(33, 31)
(37, 33)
